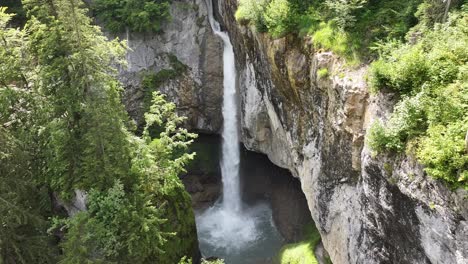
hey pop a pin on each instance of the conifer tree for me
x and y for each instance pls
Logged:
(66, 129)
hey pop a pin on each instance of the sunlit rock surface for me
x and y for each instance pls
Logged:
(196, 91)
(368, 209)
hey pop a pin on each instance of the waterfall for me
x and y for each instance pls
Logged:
(227, 227)
(230, 148)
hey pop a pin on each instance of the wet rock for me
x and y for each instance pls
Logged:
(204, 193)
(76, 205)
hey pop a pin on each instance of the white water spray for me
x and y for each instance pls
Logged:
(230, 159)
(226, 225)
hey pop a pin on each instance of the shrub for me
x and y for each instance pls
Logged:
(380, 139)
(279, 17)
(136, 15)
(331, 38)
(357, 23)
(309, 22)
(343, 11)
(443, 152)
(432, 75)
(322, 73)
(251, 12)
(404, 70)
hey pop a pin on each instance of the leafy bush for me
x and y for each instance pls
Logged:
(432, 75)
(251, 12)
(330, 38)
(309, 22)
(347, 27)
(444, 154)
(404, 71)
(136, 15)
(379, 139)
(343, 11)
(322, 73)
(279, 17)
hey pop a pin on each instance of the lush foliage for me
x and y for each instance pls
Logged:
(349, 28)
(63, 128)
(322, 73)
(252, 12)
(303, 251)
(23, 202)
(15, 7)
(279, 17)
(432, 115)
(134, 15)
(23, 207)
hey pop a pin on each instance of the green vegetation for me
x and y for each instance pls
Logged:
(152, 81)
(303, 251)
(63, 128)
(15, 7)
(135, 15)
(251, 12)
(207, 158)
(322, 73)
(430, 75)
(431, 119)
(350, 28)
(279, 17)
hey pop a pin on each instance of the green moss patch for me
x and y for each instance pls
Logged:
(303, 251)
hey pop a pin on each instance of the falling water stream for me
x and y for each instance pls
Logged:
(229, 229)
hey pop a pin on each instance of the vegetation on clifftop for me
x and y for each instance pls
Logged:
(134, 15)
(421, 47)
(431, 119)
(350, 28)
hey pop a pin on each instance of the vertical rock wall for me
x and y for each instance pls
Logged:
(368, 209)
(197, 91)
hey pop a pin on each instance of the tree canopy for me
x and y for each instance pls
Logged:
(63, 128)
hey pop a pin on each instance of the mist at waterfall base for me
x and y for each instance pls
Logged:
(229, 229)
(247, 235)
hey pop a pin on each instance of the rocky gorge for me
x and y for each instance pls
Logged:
(368, 209)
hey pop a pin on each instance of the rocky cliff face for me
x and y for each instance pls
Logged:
(369, 209)
(189, 40)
